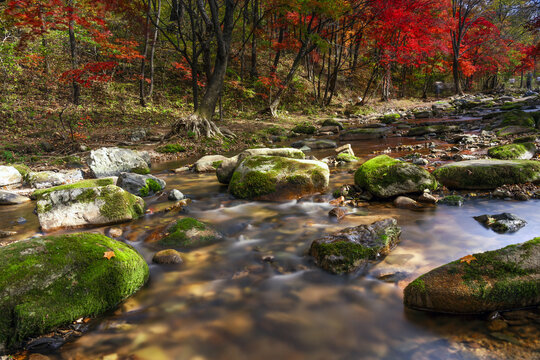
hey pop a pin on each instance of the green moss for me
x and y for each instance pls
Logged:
(119, 202)
(171, 149)
(511, 151)
(23, 170)
(152, 186)
(389, 118)
(512, 106)
(254, 184)
(305, 128)
(418, 285)
(141, 170)
(345, 157)
(517, 118)
(87, 196)
(51, 281)
(489, 176)
(332, 122)
(347, 255)
(178, 235)
(78, 185)
(525, 139)
(453, 200)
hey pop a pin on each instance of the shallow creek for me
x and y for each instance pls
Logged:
(226, 302)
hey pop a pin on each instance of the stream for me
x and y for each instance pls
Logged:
(257, 295)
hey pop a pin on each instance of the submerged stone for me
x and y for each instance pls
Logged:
(51, 281)
(501, 223)
(278, 178)
(351, 249)
(487, 174)
(79, 207)
(386, 177)
(189, 233)
(504, 279)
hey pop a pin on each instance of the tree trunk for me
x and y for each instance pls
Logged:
(455, 71)
(142, 101)
(153, 50)
(73, 49)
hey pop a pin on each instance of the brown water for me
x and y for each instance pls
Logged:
(225, 302)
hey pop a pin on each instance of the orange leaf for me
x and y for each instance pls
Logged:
(109, 254)
(467, 259)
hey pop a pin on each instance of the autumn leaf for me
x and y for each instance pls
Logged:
(108, 255)
(467, 259)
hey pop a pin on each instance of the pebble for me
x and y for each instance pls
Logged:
(337, 213)
(175, 195)
(169, 256)
(115, 232)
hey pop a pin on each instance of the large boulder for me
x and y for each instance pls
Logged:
(226, 169)
(9, 198)
(106, 162)
(71, 208)
(353, 248)
(47, 179)
(52, 281)
(487, 174)
(503, 279)
(9, 176)
(208, 163)
(278, 178)
(140, 185)
(80, 184)
(520, 151)
(189, 233)
(365, 133)
(386, 177)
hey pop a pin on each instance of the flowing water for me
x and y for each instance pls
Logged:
(257, 295)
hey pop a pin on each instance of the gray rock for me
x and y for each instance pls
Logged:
(138, 135)
(72, 208)
(209, 163)
(140, 185)
(6, 234)
(501, 223)
(8, 198)
(175, 195)
(420, 162)
(351, 249)
(106, 162)
(320, 144)
(365, 133)
(9, 176)
(427, 198)
(47, 179)
(504, 279)
(403, 202)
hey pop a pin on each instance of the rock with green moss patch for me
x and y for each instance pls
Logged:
(386, 177)
(52, 281)
(501, 223)
(226, 169)
(365, 133)
(189, 233)
(436, 129)
(209, 163)
(453, 200)
(514, 130)
(332, 122)
(353, 248)
(305, 128)
(106, 162)
(346, 157)
(79, 207)
(523, 151)
(504, 279)
(278, 178)
(140, 185)
(487, 174)
(517, 118)
(9, 176)
(81, 184)
(47, 179)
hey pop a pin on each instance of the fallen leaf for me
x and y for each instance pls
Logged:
(109, 254)
(467, 259)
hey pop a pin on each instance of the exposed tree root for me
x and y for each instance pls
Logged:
(197, 125)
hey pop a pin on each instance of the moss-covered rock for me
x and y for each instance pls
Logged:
(81, 184)
(487, 174)
(436, 129)
(47, 179)
(278, 178)
(332, 122)
(514, 130)
(351, 249)
(189, 233)
(51, 281)
(305, 128)
(517, 118)
(523, 151)
(140, 185)
(385, 177)
(226, 168)
(78, 207)
(365, 133)
(503, 279)
(346, 157)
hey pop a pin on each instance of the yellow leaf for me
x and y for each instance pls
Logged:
(109, 254)
(467, 259)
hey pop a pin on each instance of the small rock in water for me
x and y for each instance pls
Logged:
(501, 223)
(5, 234)
(403, 202)
(115, 232)
(8, 198)
(453, 200)
(169, 256)
(21, 220)
(176, 195)
(420, 161)
(337, 213)
(427, 198)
